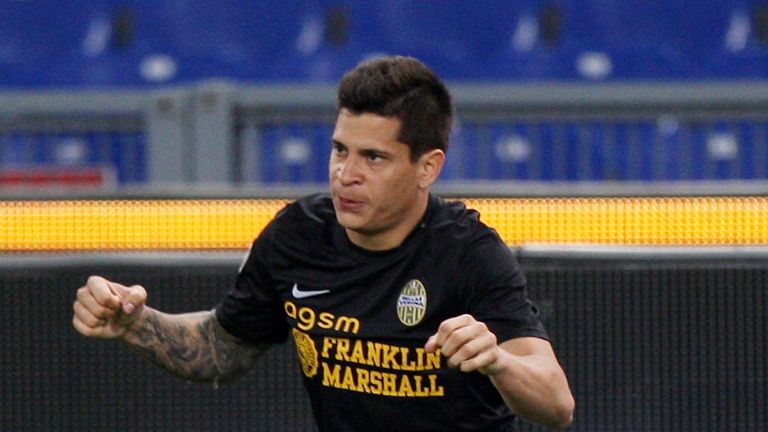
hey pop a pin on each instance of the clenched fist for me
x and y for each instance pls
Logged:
(105, 309)
(467, 343)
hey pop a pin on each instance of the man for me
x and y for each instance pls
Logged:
(403, 307)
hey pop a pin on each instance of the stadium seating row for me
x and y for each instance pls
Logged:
(549, 152)
(72, 158)
(118, 43)
(546, 151)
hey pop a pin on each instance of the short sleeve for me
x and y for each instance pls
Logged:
(496, 292)
(252, 309)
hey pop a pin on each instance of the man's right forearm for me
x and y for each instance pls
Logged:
(192, 346)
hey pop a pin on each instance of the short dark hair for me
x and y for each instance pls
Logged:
(407, 89)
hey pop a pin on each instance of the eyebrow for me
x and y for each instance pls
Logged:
(365, 151)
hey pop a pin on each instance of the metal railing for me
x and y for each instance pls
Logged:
(547, 135)
(541, 133)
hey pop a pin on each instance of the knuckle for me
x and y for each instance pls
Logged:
(89, 321)
(82, 292)
(80, 327)
(479, 327)
(444, 326)
(489, 337)
(464, 354)
(83, 316)
(467, 366)
(465, 335)
(467, 352)
(139, 292)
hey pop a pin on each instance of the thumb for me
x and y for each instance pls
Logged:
(131, 298)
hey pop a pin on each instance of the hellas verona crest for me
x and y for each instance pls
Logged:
(412, 303)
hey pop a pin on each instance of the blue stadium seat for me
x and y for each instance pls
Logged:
(294, 153)
(108, 42)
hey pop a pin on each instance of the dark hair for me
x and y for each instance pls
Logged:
(407, 89)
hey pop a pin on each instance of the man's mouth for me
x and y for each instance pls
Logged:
(348, 204)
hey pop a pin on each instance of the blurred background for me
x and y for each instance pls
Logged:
(619, 148)
(111, 93)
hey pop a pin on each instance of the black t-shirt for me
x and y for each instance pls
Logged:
(360, 319)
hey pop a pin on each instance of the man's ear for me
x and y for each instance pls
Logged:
(431, 164)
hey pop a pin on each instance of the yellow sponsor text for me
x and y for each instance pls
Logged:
(378, 354)
(307, 318)
(380, 383)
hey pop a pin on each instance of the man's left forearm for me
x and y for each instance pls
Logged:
(535, 388)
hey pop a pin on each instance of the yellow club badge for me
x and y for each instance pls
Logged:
(305, 347)
(412, 303)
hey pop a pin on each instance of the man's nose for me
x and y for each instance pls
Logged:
(348, 171)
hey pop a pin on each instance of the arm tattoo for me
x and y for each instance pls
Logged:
(193, 346)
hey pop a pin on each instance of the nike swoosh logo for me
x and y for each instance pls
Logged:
(297, 293)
